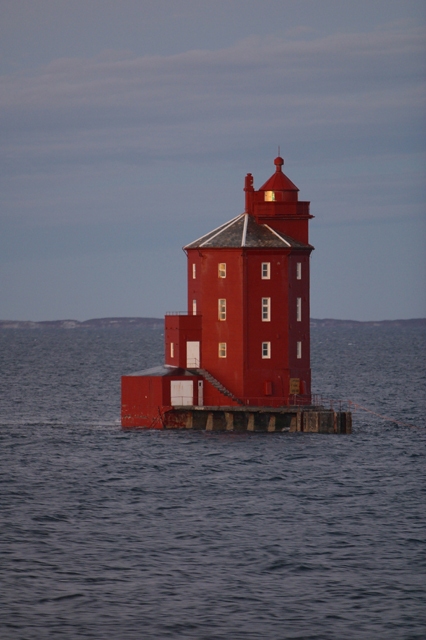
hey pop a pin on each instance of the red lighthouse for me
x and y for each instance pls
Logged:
(240, 357)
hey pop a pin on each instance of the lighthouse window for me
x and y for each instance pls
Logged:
(194, 307)
(194, 271)
(299, 309)
(299, 271)
(222, 308)
(172, 349)
(222, 349)
(266, 270)
(269, 196)
(266, 309)
(266, 349)
(222, 269)
(299, 350)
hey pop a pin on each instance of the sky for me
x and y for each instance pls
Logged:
(128, 127)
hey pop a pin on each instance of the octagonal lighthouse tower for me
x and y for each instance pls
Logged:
(240, 358)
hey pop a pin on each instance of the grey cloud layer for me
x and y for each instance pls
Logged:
(365, 86)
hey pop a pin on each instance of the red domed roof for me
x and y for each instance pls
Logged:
(278, 181)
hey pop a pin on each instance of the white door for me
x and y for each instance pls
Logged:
(192, 355)
(181, 393)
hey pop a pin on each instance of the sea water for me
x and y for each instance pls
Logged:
(112, 534)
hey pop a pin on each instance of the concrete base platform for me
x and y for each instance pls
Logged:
(308, 419)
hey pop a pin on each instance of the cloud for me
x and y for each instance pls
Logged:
(114, 106)
(88, 141)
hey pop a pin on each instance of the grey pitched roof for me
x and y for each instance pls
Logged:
(162, 370)
(244, 231)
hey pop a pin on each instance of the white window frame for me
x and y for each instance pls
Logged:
(194, 307)
(266, 309)
(221, 270)
(298, 350)
(298, 271)
(222, 350)
(266, 350)
(221, 309)
(299, 309)
(172, 349)
(194, 271)
(266, 270)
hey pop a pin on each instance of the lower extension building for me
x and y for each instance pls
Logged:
(239, 359)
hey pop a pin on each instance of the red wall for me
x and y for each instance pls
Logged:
(145, 398)
(179, 330)
(294, 227)
(141, 397)
(276, 369)
(299, 331)
(244, 372)
(285, 214)
(207, 289)
(214, 398)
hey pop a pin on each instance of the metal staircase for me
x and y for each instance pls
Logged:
(219, 386)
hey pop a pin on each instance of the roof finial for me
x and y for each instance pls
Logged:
(278, 162)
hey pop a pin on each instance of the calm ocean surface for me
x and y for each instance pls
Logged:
(120, 535)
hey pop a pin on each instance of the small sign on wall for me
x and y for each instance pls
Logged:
(294, 386)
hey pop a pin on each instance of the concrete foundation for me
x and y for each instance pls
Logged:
(264, 419)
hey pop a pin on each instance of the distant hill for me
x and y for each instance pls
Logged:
(100, 323)
(329, 322)
(158, 323)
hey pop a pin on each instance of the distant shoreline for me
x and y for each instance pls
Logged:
(329, 322)
(158, 323)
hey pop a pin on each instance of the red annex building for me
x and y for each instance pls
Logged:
(241, 354)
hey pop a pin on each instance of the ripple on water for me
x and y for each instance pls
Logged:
(112, 534)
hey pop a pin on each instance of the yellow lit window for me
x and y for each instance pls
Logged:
(222, 270)
(222, 349)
